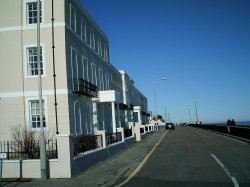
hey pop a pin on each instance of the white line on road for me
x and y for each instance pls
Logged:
(226, 171)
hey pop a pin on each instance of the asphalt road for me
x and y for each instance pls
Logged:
(193, 157)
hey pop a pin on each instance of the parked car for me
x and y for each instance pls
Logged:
(183, 124)
(169, 126)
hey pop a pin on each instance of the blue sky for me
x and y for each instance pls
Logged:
(201, 46)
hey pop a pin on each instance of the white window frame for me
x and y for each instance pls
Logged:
(28, 112)
(25, 13)
(26, 58)
(80, 118)
(73, 11)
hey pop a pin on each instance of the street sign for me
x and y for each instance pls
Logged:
(3, 155)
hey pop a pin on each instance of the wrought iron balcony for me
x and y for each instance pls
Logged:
(123, 106)
(83, 87)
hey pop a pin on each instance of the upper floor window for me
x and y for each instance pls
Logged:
(92, 39)
(32, 64)
(101, 81)
(72, 18)
(31, 12)
(85, 68)
(83, 30)
(78, 120)
(74, 63)
(105, 52)
(99, 47)
(107, 81)
(94, 75)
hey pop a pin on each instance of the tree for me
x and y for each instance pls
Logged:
(159, 117)
(26, 141)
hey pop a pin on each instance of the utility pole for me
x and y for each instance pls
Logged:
(197, 120)
(190, 121)
(155, 102)
(166, 115)
(43, 164)
(162, 78)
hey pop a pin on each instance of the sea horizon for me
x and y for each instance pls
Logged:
(241, 123)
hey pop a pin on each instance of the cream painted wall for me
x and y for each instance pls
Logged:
(15, 87)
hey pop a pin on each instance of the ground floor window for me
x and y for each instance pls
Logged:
(88, 120)
(77, 115)
(34, 109)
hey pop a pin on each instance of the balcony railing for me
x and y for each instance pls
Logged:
(83, 87)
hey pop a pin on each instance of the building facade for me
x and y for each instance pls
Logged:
(82, 91)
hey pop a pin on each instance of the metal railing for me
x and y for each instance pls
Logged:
(113, 137)
(87, 143)
(240, 131)
(81, 86)
(127, 133)
(24, 150)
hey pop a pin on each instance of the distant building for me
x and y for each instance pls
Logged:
(91, 93)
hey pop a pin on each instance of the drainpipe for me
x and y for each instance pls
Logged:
(54, 68)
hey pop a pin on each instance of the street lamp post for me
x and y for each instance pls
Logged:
(195, 105)
(165, 114)
(43, 164)
(163, 78)
(190, 121)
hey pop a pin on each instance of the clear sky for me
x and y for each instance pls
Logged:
(202, 47)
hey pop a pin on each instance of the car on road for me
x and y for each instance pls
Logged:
(183, 124)
(170, 126)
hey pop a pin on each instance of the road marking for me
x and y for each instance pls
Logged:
(142, 163)
(226, 171)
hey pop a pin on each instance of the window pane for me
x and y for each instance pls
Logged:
(33, 124)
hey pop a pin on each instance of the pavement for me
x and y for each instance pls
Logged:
(110, 172)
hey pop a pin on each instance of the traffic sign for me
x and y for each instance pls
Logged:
(3, 155)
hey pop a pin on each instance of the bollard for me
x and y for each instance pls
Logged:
(137, 132)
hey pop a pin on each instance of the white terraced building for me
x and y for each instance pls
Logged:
(83, 93)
